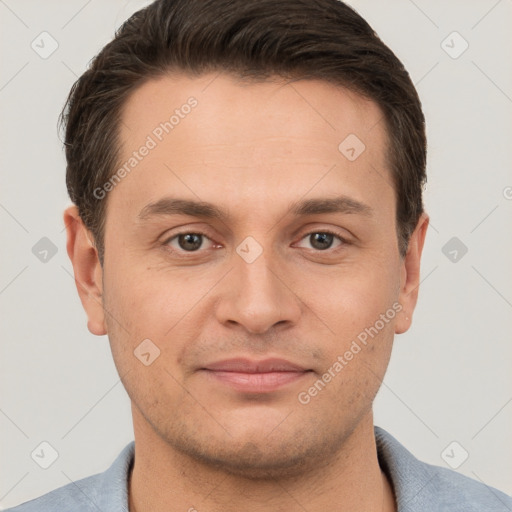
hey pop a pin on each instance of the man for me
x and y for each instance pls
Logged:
(247, 228)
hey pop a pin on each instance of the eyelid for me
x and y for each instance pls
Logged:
(203, 232)
(344, 241)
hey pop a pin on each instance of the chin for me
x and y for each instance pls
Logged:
(257, 461)
(283, 454)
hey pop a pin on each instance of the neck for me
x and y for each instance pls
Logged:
(164, 479)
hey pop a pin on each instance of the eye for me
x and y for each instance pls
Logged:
(187, 242)
(323, 240)
(192, 242)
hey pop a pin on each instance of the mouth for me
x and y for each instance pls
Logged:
(251, 376)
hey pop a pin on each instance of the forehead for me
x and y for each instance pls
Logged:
(225, 100)
(215, 133)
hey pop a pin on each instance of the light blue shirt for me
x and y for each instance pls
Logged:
(418, 487)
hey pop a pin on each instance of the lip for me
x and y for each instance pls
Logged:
(252, 376)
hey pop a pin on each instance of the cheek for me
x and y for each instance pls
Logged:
(143, 323)
(146, 301)
(145, 304)
(351, 300)
(360, 309)
(352, 375)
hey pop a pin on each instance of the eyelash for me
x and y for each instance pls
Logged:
(182, 252)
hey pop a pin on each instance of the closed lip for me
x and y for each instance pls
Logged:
(252, 376)
(244, 365)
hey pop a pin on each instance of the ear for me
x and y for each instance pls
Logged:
(410, 275)
(87, 270)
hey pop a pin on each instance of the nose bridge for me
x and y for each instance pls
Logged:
(258, 297)
(257, 280)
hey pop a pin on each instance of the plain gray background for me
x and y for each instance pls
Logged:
(449, 378)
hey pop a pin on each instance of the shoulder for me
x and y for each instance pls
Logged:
(80, 495)
(103, 491)
(419, 486)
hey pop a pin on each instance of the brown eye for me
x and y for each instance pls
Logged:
(190, 241)
(190, 244)
(321, 241)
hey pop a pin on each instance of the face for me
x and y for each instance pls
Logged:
(252, 282)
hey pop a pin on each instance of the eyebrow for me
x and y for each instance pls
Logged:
(175, 206)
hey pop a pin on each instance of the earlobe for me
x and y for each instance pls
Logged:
(410, 275)
(87, 270)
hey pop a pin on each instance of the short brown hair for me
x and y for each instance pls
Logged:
(254, 39)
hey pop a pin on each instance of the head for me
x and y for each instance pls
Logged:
(248, 184)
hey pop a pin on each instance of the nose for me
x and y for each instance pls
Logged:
(257, 296)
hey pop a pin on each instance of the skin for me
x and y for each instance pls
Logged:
(253, 149)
